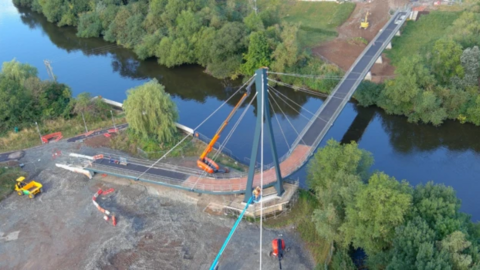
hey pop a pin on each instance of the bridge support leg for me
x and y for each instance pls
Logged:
(262, 102)
(397, 33)
(379, 60)
(368, 77)
(389, 46)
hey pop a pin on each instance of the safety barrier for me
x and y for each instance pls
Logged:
(107, 214)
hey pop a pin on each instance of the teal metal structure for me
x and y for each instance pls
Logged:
(262, 102)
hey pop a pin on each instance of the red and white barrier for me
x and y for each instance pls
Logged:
(106, 213)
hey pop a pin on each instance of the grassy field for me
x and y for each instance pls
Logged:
(318, 20)
(7, 180)
(420, 36)
(300, 217)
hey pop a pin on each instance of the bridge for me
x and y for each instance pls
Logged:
(300, 152)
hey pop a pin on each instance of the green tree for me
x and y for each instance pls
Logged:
(400, 93)
(151, 112)
(89, 25)
(377, 209)
(258, 54)
(466, 29)
(17, 71)
(253, 22)
(445, 60)
(456, 244)
(286, 54)
(341, 261)
(335, 174)
(470, 61)
(409, 239)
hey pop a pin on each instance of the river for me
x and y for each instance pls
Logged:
(449, 154)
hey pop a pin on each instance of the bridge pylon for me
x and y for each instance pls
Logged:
(261, 86)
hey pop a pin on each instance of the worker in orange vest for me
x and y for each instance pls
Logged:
(256, 194)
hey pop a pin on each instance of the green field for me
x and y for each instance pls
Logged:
(318, 20)
(7, 180)
(420, 36)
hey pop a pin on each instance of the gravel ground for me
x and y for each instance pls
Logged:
(158, 227)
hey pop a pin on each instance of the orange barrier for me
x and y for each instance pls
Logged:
(106, 213)
(57, 136)
(98, 157)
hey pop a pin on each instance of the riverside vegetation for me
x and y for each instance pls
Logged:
(398, 226)
(26, 99)
(437, 62)
(228, 38)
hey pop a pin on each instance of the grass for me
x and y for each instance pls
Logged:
(7, 180)
(318, 20)
(420, 36)
(300, 217)
(29, 137)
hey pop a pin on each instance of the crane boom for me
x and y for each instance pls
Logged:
(204, 162)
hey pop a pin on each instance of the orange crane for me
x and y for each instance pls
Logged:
(203, 161)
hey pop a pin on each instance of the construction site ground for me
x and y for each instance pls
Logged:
(344, 50)
(158, 227)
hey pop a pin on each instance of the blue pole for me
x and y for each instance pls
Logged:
(215, 262)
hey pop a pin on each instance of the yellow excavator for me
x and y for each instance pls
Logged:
(364, 24)
(203, 161)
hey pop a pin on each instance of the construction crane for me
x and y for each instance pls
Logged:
(364, 24)
(203, 161)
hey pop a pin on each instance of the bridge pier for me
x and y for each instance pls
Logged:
(389, 46)
(397, 33)
(379, 60)
(368, 77)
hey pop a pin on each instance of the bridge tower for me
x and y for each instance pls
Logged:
(261, 86)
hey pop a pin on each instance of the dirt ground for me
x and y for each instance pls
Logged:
(158, 227)
(342, 51)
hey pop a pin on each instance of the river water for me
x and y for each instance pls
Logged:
(449, 154)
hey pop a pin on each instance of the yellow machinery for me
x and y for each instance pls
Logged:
(364, 24)
(30, 189)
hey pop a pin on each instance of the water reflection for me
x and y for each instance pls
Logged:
(187, 82)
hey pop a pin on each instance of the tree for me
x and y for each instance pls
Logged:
(341, 261)
(377, 209)
(258, 54)
(466, 29)
(286, 53)
(455, 244)
(17, 71)
(89, 25)
(445, 60)
(151, 112)
(253, 22)
(409, 239)
(470, 61)
(399, 94)
(335, 174)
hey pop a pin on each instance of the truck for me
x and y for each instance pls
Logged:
(31, 189)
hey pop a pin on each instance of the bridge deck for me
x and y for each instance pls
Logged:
(303, 148)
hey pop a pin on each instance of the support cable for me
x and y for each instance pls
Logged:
(307, 90)
(278, 92)
(297, 111)
(261, 167)
(278, 121)
(188, 135)
(286, 117)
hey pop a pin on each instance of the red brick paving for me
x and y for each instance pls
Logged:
(287, 167)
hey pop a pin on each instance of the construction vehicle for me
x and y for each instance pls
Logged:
(364, 24)
(278, 250)
(31, 189)
(203, 161)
